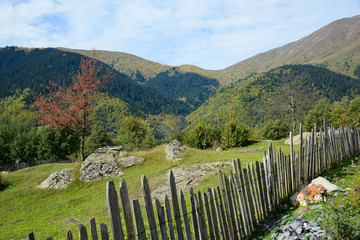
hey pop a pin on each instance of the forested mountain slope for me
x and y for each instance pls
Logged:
(33, 68)
(262, 97)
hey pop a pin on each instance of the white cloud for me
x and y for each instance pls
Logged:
(209, 33)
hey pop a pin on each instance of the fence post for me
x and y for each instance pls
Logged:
(140, 228)
(185, 215)
(104, 231)
(114, 211)
(149, 208)
(161, 216)
(125, 201)
(83, 232)
(176, 208)
(93, 230)
(169, 218)
(30, 236)
(69, 235)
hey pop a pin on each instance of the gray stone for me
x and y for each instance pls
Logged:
(57, 180)
(219, 149)
(329, 186)
(298, 230)
(189, 176)
(174, 149)
(130, 161)
(101, 164)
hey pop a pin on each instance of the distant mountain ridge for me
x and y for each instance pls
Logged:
(22, 68)
(335, 46)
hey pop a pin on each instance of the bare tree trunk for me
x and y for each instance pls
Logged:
(82, 146)
(294, 123)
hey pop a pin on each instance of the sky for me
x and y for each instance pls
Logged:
(212, 34)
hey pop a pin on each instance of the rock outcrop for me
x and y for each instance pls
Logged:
(189, 176)
(315, 192)
(174, 149)
(57, 180)
(130, 161)
(101, 164)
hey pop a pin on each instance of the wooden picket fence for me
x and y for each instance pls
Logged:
(233, 209)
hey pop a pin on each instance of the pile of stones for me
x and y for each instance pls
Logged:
(299, 229)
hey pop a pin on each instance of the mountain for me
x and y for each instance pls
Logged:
(335, 46)
(22, 68)
(258, 98)
(189, 83)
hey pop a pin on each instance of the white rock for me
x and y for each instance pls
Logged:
(130, 161)
(57, 180)
(329, 186)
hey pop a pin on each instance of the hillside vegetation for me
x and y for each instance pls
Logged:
(255, 100)
(34, 68)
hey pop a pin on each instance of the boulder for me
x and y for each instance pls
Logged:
(101, 164)
(174, 149)
(328, 185)
(57, 180)
(189, 176)
(130, 161)
(315, 192)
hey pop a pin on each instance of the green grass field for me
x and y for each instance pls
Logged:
(24, 208)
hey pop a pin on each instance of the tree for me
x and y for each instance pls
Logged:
(235, 135)
(275, 130)
(71, 106)
(291, 95)
(203, 135)
(317, 115)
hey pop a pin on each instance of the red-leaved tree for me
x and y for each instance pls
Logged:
(71, 106)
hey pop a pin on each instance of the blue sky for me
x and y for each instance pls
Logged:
(212, 34)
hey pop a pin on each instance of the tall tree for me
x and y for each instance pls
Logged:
(70, 106)
(291, 96)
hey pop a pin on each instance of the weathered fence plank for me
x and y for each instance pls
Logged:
(169, 218)
(104, 231)
(140, 228)
(161, 217)
(125, 201)
(208, 216)
(213, 214)
(82, 232)
(195, 223)
(149, 208)
(31, 236)
(93, 230)
(69, 235)
(114, 211)
(185, 216)
(176, 208)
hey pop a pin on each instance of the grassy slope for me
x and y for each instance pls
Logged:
(24, 208)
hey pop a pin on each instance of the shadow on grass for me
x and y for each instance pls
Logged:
(4, 185)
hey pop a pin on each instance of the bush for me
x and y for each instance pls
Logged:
(275, 130)
(136, 135)
(98, 138)
(235, 135)
(338, 222)
(1, 182)
(202, 136)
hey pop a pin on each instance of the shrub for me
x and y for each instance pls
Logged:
(1, 182)
(98, 138)
(338, 222)
(235, 135)
(202, 136)
(275, 130)
(135, 134)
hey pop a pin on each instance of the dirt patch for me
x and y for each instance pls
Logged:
(70, 221)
